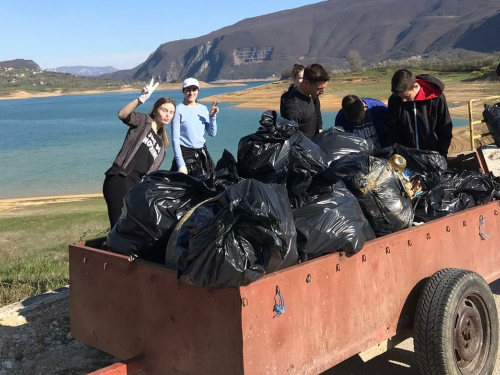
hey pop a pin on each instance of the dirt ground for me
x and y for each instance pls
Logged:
(37, 341)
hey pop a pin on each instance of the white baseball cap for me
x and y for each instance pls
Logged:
(190, 82)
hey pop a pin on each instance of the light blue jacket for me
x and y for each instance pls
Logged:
(188, 128)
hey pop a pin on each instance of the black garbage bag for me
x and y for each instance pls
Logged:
(151, 210)
(264, 155)
(271, 121)
(491, 116)
(417, 161)
(453, 191)
(439, 203)
(306, 159)
(226, 172)
(379, 190)
(332, 222)
(482, 187)
(337, 143)
(235, 238)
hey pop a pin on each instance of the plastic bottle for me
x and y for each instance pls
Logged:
(397, 162)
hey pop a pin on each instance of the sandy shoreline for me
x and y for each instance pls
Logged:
(17, 203)
(166, 86)
(267, 97)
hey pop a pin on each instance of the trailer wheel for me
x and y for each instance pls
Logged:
(456, 325)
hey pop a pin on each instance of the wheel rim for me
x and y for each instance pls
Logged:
(471, 334)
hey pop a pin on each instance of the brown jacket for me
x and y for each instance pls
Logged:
(139, 126)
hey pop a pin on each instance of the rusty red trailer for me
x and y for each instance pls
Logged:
(336, 306)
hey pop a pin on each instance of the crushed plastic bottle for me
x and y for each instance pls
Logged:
(397, 162)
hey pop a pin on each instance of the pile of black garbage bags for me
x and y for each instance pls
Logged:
(287, 199)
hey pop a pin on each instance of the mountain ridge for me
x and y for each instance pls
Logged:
(84, 71)
(324, 32)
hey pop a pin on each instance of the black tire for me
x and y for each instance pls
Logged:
(456, 325)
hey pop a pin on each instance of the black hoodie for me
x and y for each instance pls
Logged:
(433, 121)
(312, 127)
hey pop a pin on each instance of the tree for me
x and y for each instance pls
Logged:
(355, 61)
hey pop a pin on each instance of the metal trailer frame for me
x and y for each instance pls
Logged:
(337, 305)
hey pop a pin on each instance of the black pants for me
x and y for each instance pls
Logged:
(198, 161)
(114, 189)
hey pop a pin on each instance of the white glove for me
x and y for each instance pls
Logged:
(183, 170)
(148, 90)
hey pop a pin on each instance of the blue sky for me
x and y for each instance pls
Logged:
(118, 33)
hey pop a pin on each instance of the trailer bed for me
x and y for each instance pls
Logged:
(337, 305)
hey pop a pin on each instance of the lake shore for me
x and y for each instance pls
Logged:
(267, 97)
(9, 204)
(166, 86)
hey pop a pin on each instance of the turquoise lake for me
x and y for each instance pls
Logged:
(63, 145)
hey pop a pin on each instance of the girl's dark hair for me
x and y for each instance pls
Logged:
(161, 131)
(296, 69)
(498, 70)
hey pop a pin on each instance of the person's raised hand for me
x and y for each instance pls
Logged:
(148, 90)
(214, 110)
(183, 169)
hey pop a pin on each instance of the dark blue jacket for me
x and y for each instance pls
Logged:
(378, 113)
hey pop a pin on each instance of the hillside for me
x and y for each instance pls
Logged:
(20, 64)
(325, 32)
(29, 82)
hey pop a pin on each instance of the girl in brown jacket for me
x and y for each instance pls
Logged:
(142, 151)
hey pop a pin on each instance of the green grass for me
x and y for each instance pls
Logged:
(34, 244)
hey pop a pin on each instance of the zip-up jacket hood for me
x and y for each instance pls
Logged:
(430, 87)
(424, 123)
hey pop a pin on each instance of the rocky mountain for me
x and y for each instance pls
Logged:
(20, 64)
(325, 32)
(84, 71)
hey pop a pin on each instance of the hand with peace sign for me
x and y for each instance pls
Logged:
(214, 110)
(148, 90)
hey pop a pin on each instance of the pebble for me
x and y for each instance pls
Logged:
(16, 337)
(7, 364)
(24, 337)
(54, 323)
(47, 341)
(68, 336)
